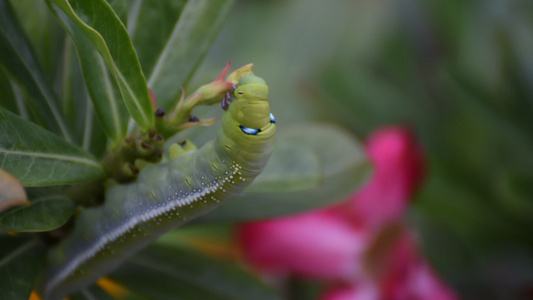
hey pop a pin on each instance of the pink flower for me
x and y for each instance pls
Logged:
(401, 275)
(362, 291)
(408, 275)
(404, 275)
(426, 285)
(341, 243)
(319, 244)
(399, 170)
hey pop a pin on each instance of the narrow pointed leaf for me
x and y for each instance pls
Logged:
(163, 272)
(344, 169)
(96, 19)
(7, 101)
(38, 157)
(94, 139)
(18, 60)
(42, 215)
(23, 107)
(44, 34)
(120, 7)
(77, 102)
(110, 109)
(20, 263)
(172, 41)
(73, 91)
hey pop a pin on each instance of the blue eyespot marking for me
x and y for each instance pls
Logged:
(250, 131)
(272, 119)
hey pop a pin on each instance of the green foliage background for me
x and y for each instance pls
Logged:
(459, 73)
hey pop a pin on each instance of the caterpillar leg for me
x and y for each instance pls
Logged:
(178, 149)
(225, 103)
(188, 146)
(227, 99)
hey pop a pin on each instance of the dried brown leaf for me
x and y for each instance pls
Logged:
(11, 191)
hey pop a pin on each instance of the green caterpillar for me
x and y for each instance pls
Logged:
(166, 195)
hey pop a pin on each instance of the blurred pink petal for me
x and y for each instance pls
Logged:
(354, 292)
(404, 276)
(420, 283)
(426, 285)
(408, 276)
(361, 243)
(399, 169)
(319, 244)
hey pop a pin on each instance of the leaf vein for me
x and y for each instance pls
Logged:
(74, 159)
(28, 168)
(130, 91)
(20, 250)
(113, 102)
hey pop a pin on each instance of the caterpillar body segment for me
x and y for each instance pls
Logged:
(166, 195)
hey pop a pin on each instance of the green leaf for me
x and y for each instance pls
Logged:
(76, 102)
(105, 95)
(97, 21)
(22, 105)
(92, 293)
(7, 101)
(132, 296)
(44, 34)
(120, 7)
(36, 193)
(73, 91)
(344, 169)
(94, 139)
(176, 273)
(290, 168)
(171, 39)
(21, 261)
(19, 61)
(42, 215)
(37, 157)
(199, 237)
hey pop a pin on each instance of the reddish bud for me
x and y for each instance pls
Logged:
(152, 99)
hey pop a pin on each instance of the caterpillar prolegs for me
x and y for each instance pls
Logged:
(166, 195)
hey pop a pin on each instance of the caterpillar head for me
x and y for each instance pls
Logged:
(250, 107)
(252, 87)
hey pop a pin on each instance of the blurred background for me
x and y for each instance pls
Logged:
(458, 73)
